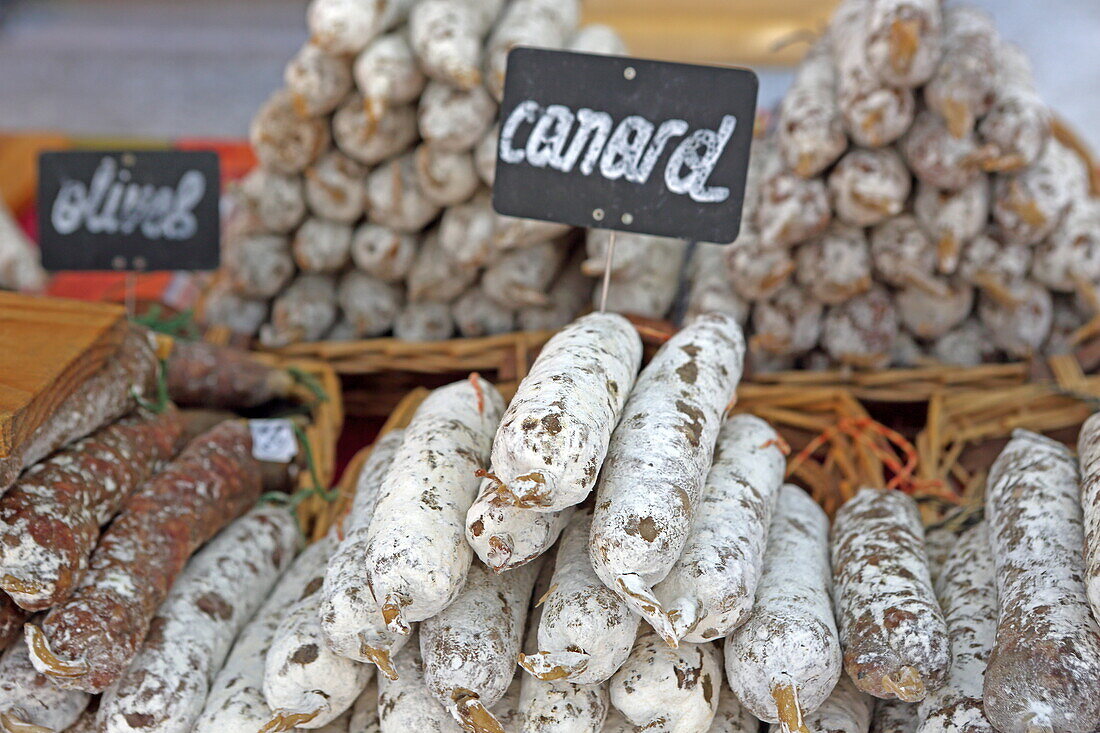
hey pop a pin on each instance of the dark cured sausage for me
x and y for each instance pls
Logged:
(87, 642)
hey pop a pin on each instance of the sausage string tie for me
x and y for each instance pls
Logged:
(39, 648)
(11, 724)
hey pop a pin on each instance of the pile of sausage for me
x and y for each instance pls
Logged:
(370, 211)
(910, 204)
(20, 268)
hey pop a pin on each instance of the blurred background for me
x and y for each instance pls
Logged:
(200, 68)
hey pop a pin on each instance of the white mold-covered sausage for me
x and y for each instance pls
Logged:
(334, 187)
(657, 461)
(867, 187)
(303, 312)
(995, 267)
(220, 589)
(404, 703)
(598, 38)
(1072, 252)
(222, 307)
(505, 537)
(733, 717)
(321, 245)
(1088, 447)
(540, 23)
(962, 88)
(810, 131)
(236, 700)
(554, 435)
(29, 702)
(368, 304)
(791, 209)
(351, 620)
(586, 632)
(836, 266)
(847, 710)
(387, 74)
(1019, 123)
(567, 296)
(902, 253)
(940, 159)
(1020, 325)
(652, 293)
(894, 716)
(521, 277)
(435, 276)
(875, 113)
(365, 713)
(277, 200)
(469, 649)
(304, 683)
(426, 321)
(466, 231)
(968, 594)
(258, 265)
(371, 137)
(861, 332)
(953, 218)
(756, 269)
(445, 178)
(891, 627)
(511, 232)
(929, 314)
(476, 315)
(710, 590)
(485, 155)
(284, 141)
(1028, 205)
(382, 252)
(669, 690)
(317, 80)
(452, 119)
(447, 36)
(785, 660)
(970, 344)
(710, 288)
(904, 40)
(632, 252)
(347, 26)
(417, 555)
(557, 706)
(787, 324)
(1044, 669)
(395, 199)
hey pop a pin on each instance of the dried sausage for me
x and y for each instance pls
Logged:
(50, 518)
(904, 40)
(847, 710)
(891, 627)
(404, 702)
(554, 435)
(87, 642)
(317, 80)
(658, 457)
(417, 555)
(867, 187)
(202, 374)
(1044, 669)
(28, 702)
(505, 537)
(810, 131)
(962, 89)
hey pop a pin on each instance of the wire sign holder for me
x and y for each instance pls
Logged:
(625, 144)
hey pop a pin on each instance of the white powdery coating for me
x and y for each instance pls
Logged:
(940, 159)
(1045, 666)
(1019, 123)
(669, 690)
(447, 179)
(597, 38)
(790, 638)
(902, 252)
(1027, 206)
(485, 155)
(477, 315)
(19, 261)
(369, 138)
(258, 265)
(887, 54)
(447, 36)
(505, 537)
(427, 321)
(868, 186)
(334, 187)
(349, 614)
(658, 457)
(452, 119)
(836, 266)
(340, 725)
(29, 698)
(236, 701)
(581, 614)
(394, 197)
(539, 23)
(953, 218)
(653, 292)
(1088, 448)
(962, 88)
(417, 555)
(364, 714)
(810, 131)
(369, 305)
(405, 705)
(711, 289)
(277, 200)
(710, 589)
(895, 716)
(928, 314)
(733, 717)
(434, 276)
(875, 113)
(1072, 252)
(301, 674)
(386, 73)
(846, 711)
(305, 311)
(318, 80)
(887, 611)
(283, 140)
(861, 332)
(790, 209)
(321, 245)
(633, 253)
(554, 435)
(938, 544)
(521, 277)
(986, 260)
(466, 231)
(510, 232)
(347, 26)
(382, 252)
(968, 594)
(472, 645)
(568, 295)
(1019, 328)
(166, 685)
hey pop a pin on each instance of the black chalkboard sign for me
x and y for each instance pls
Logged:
(622, 143)
(129, 210)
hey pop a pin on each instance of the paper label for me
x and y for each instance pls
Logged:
(273, 440)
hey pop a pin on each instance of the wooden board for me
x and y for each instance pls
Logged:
(743, 32)
(48, 347)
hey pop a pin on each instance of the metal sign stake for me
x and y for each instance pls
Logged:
(607, 272)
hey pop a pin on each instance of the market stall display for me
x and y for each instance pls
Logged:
(370, 211)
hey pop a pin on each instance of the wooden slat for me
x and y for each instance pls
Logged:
(48, 347)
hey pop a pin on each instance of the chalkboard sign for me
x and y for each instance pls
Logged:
(627, 144)
(123, 210)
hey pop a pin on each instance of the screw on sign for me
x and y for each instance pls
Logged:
(625, 144)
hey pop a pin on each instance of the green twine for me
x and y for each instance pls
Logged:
(309, 382)
(163, 399)
(293, 501)
(181, 326)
